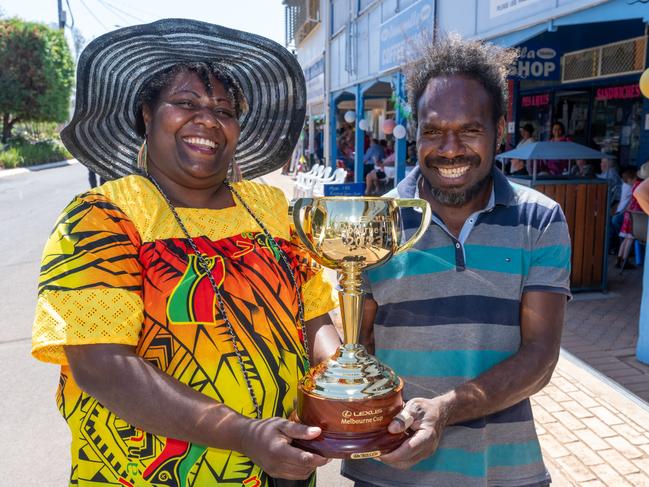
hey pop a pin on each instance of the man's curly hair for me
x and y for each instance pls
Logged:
(450, 55)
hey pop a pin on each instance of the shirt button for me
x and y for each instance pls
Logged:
(457, 245)
(471, 220)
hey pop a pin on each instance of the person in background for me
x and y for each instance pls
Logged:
(518, 168)
(628, 177)
(554, 166)
(92, 179)
(527, 137)
(626, 231)
(609, 172)
(582, 169)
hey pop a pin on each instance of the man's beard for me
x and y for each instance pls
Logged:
(457, 198)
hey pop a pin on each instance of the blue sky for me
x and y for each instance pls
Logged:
(95, 17)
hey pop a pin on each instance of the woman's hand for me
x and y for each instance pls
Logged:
(427, 419)
(267, 442)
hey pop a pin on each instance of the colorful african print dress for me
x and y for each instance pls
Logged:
(117, 269)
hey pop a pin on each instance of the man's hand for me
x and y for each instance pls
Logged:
(267, 443)
(427, 419)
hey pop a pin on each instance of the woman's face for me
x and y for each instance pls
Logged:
(557, 131)
(192, 133)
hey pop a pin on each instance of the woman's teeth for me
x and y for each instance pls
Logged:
(453, 172)
(200, 142)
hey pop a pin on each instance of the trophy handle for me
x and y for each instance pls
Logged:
(425, 220)
(307, 203)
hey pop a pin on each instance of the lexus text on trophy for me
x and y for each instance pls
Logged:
(352, 396)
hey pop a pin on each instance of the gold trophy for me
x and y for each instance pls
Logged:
(352, 396)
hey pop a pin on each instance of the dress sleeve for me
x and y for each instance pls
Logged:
(549, 258)
(90, 286)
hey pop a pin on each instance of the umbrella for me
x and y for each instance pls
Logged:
(551, 150)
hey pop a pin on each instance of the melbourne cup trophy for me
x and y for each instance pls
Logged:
(352, 396)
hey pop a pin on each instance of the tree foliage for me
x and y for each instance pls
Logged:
(36, 74)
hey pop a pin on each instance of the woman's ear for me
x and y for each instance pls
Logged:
(147, 115)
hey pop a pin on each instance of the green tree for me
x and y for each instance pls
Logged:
(36, 74)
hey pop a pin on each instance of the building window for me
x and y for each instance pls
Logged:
(302, 16)
(340, 14)
(615, 59)
(363, 4)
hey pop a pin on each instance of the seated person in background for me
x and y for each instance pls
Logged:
(582, 169)
(609, 171)
(374, 154)
(379, 174)
(518, 168)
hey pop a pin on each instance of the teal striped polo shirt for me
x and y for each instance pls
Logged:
(449, 310)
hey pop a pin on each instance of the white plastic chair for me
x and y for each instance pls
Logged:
(338, 177)
(302, 180)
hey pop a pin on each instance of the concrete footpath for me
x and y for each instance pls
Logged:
(593, 432)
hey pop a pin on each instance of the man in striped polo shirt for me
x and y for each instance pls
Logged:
(471, 318)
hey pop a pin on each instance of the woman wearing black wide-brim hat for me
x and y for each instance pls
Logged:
(172, 297)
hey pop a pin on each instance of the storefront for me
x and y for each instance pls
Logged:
(585, 77)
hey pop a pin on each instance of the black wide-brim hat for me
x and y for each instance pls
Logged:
(113, 68)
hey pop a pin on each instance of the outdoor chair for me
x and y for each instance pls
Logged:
(337, 177)
(639, 219)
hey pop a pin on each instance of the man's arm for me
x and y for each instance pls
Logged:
(155, 402)
(502, 386)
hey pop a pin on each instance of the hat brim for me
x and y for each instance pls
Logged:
(113, 68)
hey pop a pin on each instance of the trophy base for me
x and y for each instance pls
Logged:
(351, 446)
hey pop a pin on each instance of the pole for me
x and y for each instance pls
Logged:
(61, 14)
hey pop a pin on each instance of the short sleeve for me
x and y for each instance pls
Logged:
(549, 254)
(90, 286)
(318, 293)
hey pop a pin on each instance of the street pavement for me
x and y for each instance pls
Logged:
(592, 432)
(34, 450)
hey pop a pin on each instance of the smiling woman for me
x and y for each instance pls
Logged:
(172, 297)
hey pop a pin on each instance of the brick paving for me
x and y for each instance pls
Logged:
(592, 421)
(602, 330)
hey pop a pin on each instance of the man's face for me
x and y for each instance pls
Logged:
(456, 138)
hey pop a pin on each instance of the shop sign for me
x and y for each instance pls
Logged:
(535, 100)
(315, 80)
(401, 33)
(618, 92)
(537, 63)
(502, 7)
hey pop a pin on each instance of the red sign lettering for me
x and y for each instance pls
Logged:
(618, 92)
(535, 100)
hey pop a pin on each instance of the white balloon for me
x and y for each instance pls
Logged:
(350, 116)
(399, 132)
(363, 125)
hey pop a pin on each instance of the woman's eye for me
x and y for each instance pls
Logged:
(221, 112)
(185, 103)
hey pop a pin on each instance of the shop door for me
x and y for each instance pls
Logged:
(571, 109)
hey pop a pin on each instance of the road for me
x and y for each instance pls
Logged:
(34, 450)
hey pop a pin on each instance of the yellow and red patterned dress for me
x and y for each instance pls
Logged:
(117, 269)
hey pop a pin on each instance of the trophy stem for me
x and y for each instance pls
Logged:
(351, 302)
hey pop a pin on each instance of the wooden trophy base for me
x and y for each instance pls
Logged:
(352, 429)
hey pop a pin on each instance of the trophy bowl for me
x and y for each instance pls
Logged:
(352, 396)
